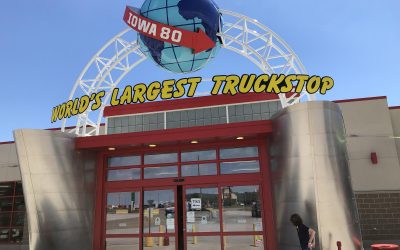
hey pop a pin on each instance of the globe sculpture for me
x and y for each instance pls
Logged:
(190, 15)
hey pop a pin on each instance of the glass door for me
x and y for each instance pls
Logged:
(160, 224)
(242, 216)
(202, 218)
(123, 220)
(223, 217)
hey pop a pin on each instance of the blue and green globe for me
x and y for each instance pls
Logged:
(190, 15)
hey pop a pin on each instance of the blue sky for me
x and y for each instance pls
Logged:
(45, 44)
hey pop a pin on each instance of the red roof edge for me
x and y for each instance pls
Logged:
(6, 142)
(361, 99)
(394, 107)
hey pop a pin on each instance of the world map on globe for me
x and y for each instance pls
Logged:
(189, 15)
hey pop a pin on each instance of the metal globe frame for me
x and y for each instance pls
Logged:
(121, 54)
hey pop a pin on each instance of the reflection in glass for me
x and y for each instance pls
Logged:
(4, 234)
(204, 243)
(123, 174)
(240, 167)
(122, 244)
(5, 219)
(228, 153)
(18, 219)
(6, 189)
(123, 213)
(161, 158)
(5, 204)
(159, 243)
(199, 169)
(17, 235)
(124, 161)
(242, 209)
(202, 210)
(244, 242)
(19, 204)
(18, 189)
(161, 172)
(159, 211)
(198, 155)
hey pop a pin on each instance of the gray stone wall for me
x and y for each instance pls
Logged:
(379, 215)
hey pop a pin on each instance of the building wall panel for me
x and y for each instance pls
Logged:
(59, 189)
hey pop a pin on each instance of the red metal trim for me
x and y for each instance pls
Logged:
(269, 228)
(124, 168)
(7, 142)
(254, 128)
(361, 99)
(122, 235)
(394, 107)
(187, 103)
(158, 234)
(184, 213)
(233, 233)
(141, 219)
(176, 217)
(243, 233)
(240, 159)
(217, 181)
(98, 223)
(189, 234)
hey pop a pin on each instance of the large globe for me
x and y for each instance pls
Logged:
(190, 15)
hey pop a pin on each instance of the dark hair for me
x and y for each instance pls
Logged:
(296, 220)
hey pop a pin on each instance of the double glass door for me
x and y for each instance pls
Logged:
(212, 217)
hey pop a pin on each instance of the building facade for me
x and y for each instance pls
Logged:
(218, 172)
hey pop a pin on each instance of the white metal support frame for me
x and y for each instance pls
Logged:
(121, 54)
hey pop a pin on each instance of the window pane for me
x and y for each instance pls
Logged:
(4, 234)
(240, 167)
(202, 210)
(5, 219)
(159, 243)
(198, 155)
(18, 219)
(244, 242)
(18, 189)
(123, 213)
(228, 153)
(161, 158)
(204, 242)
(19, 204)
(122, 244)
(123, 161)
(16, 235)
(241, 208)
(123, 174)
(159, 211)
(6, 189)
(199, 169)
(161, 172)
(5, 204)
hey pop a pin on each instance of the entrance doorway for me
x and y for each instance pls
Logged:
(210, 198)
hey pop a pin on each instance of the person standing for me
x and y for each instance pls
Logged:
(306, 234)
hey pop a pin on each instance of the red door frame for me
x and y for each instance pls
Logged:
(222, 233)
(102, 187)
